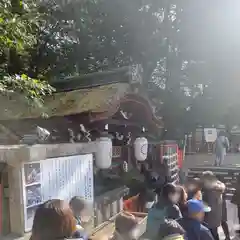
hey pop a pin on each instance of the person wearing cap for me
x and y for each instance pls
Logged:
(192, 223)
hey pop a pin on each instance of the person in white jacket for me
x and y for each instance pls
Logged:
(222, 145)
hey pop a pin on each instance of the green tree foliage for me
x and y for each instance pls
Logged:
(86, 36)
(98, 35)
(176, 42)
(19, 22)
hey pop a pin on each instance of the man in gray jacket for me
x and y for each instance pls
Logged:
(212, 195)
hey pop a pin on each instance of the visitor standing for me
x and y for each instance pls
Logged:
(236, 199)
(222, 145)
(165, 208)
(192, 223)
(212, 195)
(224, 223)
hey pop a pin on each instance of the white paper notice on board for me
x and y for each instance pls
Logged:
(210, 134)
(56, 178)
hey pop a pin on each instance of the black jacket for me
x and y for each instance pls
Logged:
(213, 197)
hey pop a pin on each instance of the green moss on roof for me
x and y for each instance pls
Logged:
(97, 99)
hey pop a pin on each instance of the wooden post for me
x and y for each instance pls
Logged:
(16, 200)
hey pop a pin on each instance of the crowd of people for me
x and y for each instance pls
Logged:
(198, 209)
(193, 211)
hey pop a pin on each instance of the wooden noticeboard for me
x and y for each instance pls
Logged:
(56, 178)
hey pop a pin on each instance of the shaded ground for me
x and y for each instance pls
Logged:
(232, 160)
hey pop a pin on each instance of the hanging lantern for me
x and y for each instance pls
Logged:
(141, 148)
(103, 153)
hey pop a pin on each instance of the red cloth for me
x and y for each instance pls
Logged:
(131, 204)
(180, 158)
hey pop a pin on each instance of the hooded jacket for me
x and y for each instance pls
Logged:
(212, 195)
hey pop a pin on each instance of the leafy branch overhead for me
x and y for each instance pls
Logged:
(19, 24)
(184, 47)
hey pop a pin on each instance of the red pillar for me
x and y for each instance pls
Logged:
(180, 158)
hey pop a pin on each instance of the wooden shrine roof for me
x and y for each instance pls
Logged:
(86, 99)
(95, 99)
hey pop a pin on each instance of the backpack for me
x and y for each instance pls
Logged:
(156, 217)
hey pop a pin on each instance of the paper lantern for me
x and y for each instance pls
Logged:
(103, 153)
(141, 148)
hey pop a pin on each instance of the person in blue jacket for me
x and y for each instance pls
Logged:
(192, 223)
